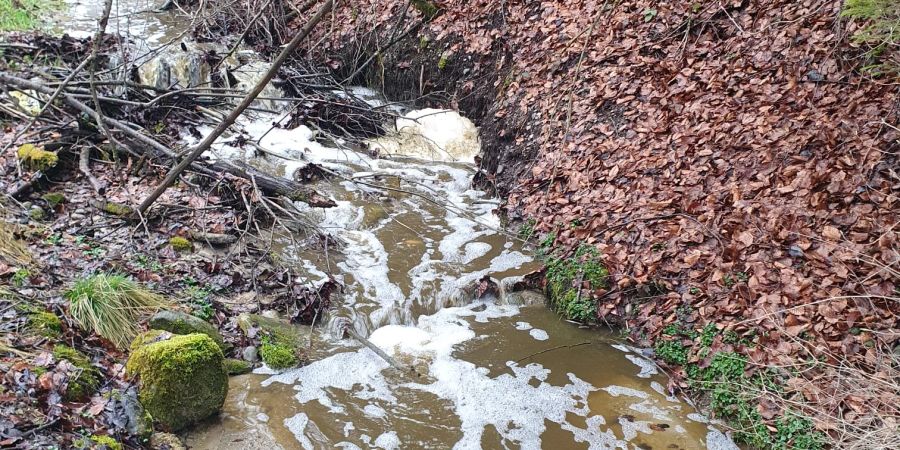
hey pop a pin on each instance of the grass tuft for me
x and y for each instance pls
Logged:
(110, 305)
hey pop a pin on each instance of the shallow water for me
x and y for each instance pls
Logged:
(135, 19)
(494, 374)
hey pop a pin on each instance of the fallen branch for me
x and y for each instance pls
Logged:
(84, 165)
(237, 111)
(349, 330)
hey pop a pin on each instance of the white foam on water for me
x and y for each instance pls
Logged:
(716, 440)
(648, 368)
(616, 391)
(523, 326)
(388, 440)
(374, 411)
(297, 426)
(539, 334)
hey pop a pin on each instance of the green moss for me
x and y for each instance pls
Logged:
(180, 244)
(117, 209)
(54, 198)
(278, 356)
(37, 214)
(37, 158)
(442, 63)
(181, 323)
(84, 383)
(183, 378)
(45, 323)
(237, 366)
(106, 442)
(566, 276)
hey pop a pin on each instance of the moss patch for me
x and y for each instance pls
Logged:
(85, 382)
(280, 340)
(237, 366)
(54, 198)
(183, 378)
(277, 356)
(181, 323)
(117, 209)
(567, 276)
(37, 158)
(180, 244)
(45, 323)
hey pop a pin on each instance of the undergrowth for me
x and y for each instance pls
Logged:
(21, 15)
(571, 281)
(880, 34)
(110, 306)
(732, 392)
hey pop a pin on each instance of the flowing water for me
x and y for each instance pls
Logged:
(501, 371)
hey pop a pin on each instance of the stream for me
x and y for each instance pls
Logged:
(502, 371)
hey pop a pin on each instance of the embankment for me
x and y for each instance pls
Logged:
(728, 161)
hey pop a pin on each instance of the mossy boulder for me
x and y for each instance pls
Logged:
(278, 356)
(182, 377)
(177, 322)
(37, 158)
(237, 366)
(86, 380)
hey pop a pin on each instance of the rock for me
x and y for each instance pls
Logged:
(166, 441)
(87, 379)
(237, 366)
(181, 323)
(525, 298)
(125, 411)
(182, 377)
(250, 354)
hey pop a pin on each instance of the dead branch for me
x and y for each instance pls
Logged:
(238, 110)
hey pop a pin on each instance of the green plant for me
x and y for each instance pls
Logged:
(277, 356)
(650, 14)
(109, 305)
(567, 276)
(198, 297)
(881, 34)
(19, 15)
(526, 230)
(672, 352)
(20, 276)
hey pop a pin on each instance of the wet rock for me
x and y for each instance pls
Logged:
(166, 441)
(124, 411)
(237, 366)
(525, 298)
(182, 377)
(181, 323)
(250, 354)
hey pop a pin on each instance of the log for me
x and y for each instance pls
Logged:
(349, 329)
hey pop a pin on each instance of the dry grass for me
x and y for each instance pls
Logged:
(12, 251)
(111, 306)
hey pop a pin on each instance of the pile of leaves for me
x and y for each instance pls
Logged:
(729, 160)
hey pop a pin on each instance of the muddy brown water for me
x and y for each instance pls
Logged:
(498, 372)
